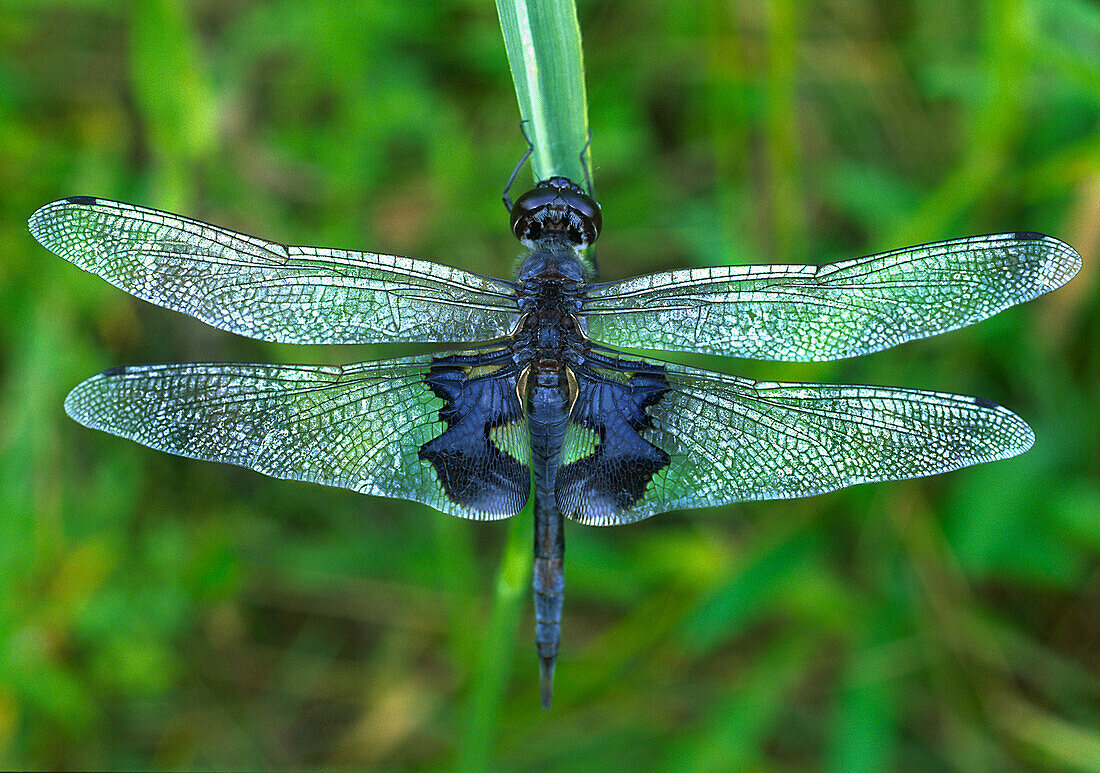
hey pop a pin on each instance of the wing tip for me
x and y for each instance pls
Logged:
(36, 222)
(1022, 435)
(39, 222)
(1055, 261)
(1026, 439)
(1060, 262)
(75, 402)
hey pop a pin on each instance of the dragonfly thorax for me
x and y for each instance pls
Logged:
(551, 259)
(549, 335)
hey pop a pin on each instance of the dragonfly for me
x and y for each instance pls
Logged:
(539, 400)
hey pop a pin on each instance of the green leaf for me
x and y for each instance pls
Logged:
(543, 41)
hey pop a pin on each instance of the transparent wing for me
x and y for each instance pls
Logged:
(803, 313)
(649, 436)
(413, 428)
(301, 295)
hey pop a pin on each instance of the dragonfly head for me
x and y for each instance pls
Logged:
(557, 207)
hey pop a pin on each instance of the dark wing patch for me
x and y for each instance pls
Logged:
(362, 427)
(728, 439)
(608, 468)
(474, 458)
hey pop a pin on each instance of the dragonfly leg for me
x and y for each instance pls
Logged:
(512, 177)
(584, 164)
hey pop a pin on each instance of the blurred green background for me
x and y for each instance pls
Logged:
(163, 612)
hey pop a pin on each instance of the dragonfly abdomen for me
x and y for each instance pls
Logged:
(548, 403)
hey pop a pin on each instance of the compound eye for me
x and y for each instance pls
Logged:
(588, 211)
(556, 206)
(525, 207)
(593, 216)
(526, 227)
(534, 199)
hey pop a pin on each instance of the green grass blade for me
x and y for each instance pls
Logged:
(544, 51)
(481, 720)
(543, 41)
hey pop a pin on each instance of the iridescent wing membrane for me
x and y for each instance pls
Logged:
(649, 436)
(262, 289)
(645, 436)
(806, 313)
(445, 430)
(413, 428)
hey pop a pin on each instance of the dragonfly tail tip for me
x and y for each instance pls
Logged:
(546, 670)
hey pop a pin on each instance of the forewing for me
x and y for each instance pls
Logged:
(804, 313)
(650, 437)
(257, 288)
(384, 428)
